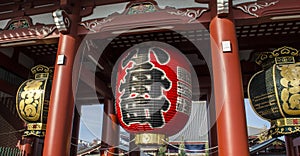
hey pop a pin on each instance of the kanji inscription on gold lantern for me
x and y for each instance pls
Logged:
(32, 100)
(274, 92)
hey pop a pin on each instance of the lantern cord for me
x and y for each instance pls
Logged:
(203, 150)
(103, 148)
(216, 151)
(98, 147)
(17, 131)
(115, 146)
(119, 153)
(80, 139)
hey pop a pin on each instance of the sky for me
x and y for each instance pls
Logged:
(91, 121)
(252, 118)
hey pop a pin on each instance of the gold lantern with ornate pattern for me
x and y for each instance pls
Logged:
(32, 100)
(274, 92)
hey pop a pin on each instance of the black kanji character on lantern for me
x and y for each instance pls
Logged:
(142, 98)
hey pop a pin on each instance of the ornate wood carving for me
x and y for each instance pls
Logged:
(61, 21)
(192, 14)
(222, 7)
(252, 8)
(19, 22)
(92, 25)
(43, 31)
(141, 7)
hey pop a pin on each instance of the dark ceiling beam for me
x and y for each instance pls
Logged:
(9, 113)
(202, 1)
(8, 88)
(101, 2)
(19, 9)
(13, 66)
(265, 42)
(96, 84)
(65, 2)
(86, 95)
(102, 60)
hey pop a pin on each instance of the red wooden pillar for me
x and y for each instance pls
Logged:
(110, 129)
(75, 132)
(228, 89)
(61, 108)
(289, 146)
(59, 124)
(133, 148)
(25, 146)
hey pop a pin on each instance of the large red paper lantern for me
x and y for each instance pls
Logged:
(153, 89)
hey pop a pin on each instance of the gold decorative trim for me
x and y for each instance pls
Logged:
(30, 99)
(41, 69)
(286, 122)
(290, 93)
(149, 139)
(279, 131)
(282, 55)
(34, 133)
(36, 126)
(285, 51)
(276, 91)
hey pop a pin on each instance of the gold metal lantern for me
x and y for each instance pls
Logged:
(32, 100)
(274, 92)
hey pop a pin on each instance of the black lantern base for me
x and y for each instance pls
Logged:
(285, 126)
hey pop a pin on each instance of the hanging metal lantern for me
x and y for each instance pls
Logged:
(32, 100)
(153, 91)
(274, 92)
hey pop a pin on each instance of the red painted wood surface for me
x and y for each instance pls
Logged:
(61, 109)
(110, 128)
(231, 119)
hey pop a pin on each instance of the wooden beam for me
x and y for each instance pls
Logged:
(102, 2)
(202, 1)
(265, 42)
(8, 112)
(96, 84)
(13, 66)
(16, 9)
(8, 88)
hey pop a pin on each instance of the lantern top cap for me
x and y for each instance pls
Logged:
(281, 55)
(41, 69)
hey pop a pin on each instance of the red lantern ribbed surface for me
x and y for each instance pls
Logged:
(153, 89)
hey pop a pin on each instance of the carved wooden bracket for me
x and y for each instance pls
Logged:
(62, 21)
(222, 7)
